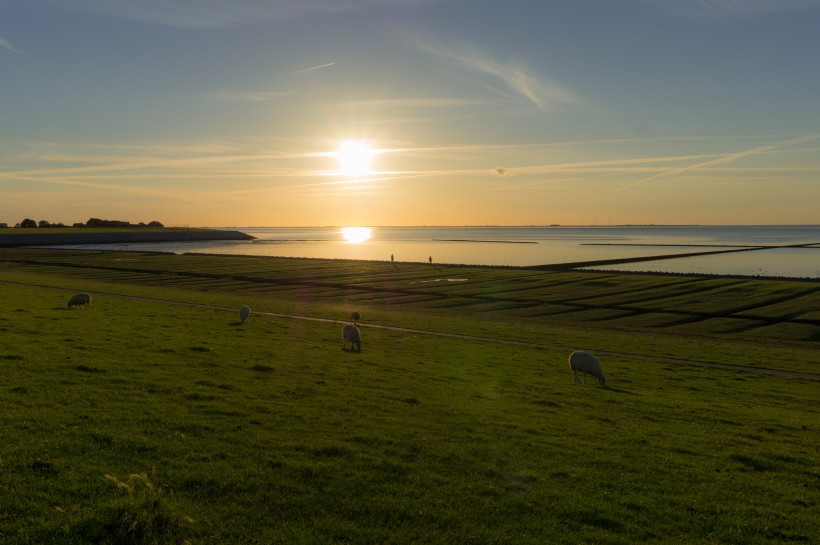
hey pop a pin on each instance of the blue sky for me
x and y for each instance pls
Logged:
(229, 113)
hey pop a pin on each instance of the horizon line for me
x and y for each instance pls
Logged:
(534, 225)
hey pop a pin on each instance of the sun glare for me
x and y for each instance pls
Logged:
(356, 235)
(354, 158)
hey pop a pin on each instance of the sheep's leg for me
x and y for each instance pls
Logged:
(585, 377)
(574, 375)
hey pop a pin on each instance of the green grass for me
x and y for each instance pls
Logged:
(144, 421)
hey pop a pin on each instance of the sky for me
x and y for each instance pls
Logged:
(464, 112)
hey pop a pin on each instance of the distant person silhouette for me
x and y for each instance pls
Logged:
(431, 260)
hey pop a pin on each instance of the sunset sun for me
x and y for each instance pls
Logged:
(355, 158)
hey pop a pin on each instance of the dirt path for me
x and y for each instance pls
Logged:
(543, 346)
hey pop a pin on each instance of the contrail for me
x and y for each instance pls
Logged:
(729, 157)
(315, 68)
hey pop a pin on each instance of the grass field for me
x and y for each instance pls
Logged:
(156, 417)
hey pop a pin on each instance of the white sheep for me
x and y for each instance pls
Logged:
(80, 299)
(586, 363)
(351, 333)
(244, 312)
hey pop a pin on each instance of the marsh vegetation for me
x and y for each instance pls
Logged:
(156, 417)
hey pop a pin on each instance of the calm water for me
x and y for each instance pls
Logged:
(522, 246)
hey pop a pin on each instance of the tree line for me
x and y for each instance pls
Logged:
(92, 222)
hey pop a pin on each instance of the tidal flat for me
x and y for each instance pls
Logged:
(156, 416)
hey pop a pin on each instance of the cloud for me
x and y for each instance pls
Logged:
(149, 167)
(725, 8)
(725, 158)
(544, 94)
(248, 96)
(431, 102)
(7, 45)
(220, 13)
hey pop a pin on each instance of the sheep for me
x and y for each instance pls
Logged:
(355, 316)
(244, 312)
(80, 299)
(586, 363)
(351, 333)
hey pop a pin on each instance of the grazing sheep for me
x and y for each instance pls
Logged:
(244, 312)
(80, 299)
(351, 333)
(355, 316)
(587, 363)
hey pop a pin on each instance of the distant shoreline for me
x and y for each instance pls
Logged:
(686, 250)
(114, 236)
(533, 226)
(485, 241)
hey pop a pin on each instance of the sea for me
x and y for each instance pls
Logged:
(789, 251)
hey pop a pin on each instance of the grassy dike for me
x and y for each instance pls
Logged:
(45, 236)
(155, 417)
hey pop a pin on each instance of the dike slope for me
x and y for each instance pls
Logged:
(118, 237)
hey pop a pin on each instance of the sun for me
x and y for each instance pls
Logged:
(356, 235)
(355, 158)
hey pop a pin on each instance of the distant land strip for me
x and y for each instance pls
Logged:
(485, 241)
(662, 245)
(287, 240)
(125, 236)
(744, 247)
(620, 261)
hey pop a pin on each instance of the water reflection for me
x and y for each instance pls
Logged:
(356, 235)
(526, 246)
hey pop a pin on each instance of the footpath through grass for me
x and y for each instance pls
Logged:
(141, 421)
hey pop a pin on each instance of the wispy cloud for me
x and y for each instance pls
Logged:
(723, 8)
(220, 13)
(544, 94)
(7, 45)
(725, 158)
(431, 102)
(248, 96)
(154, 164)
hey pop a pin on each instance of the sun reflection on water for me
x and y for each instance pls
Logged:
(356, 235)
